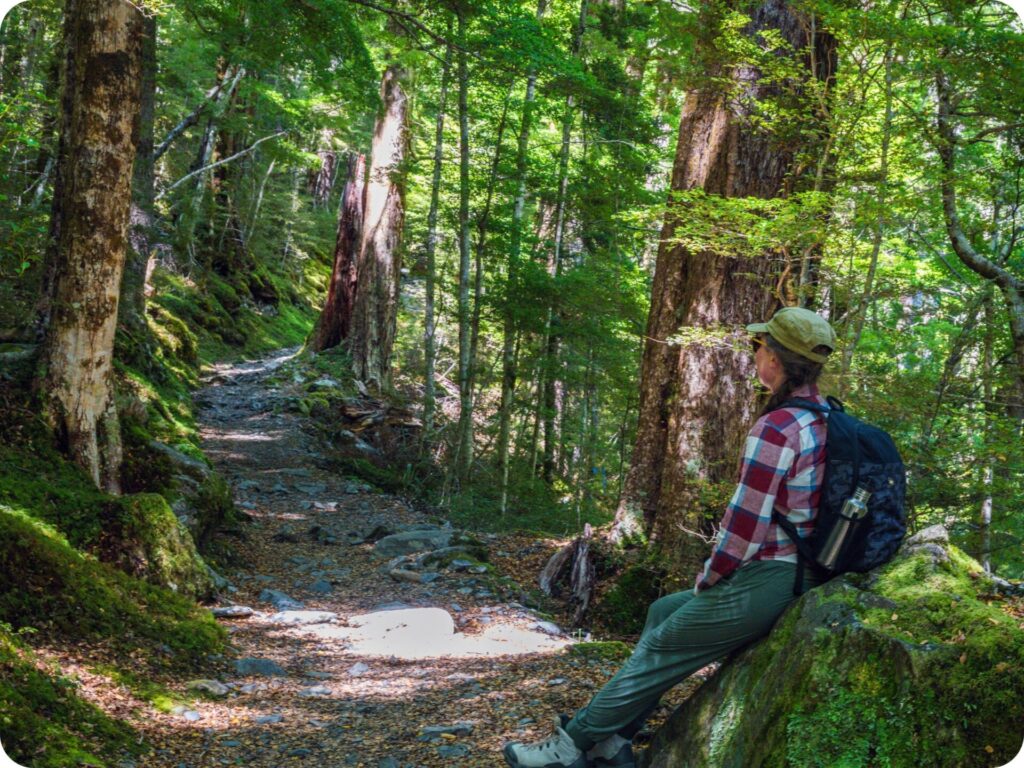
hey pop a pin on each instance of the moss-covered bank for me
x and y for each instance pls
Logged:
(915, 665)
(43, 721)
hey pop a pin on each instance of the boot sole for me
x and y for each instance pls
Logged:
(510, 758)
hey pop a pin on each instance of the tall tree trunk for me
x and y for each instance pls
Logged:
(466, 436)
(376, 302)
(255, 215)
(464, 448)
(229, 251)
(429, 329)
(46, 160)
(294, 206)
(103, 44)
(223, 91)
(861, 310)
(988, 469)
(508, 369)
(321, 180)
(335, 319)
(696, 401)
(140, 233)
(551, 334)
(482, 231)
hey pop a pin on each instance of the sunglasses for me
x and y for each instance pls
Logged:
(755, 343)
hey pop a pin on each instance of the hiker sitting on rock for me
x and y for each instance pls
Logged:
(749, 579)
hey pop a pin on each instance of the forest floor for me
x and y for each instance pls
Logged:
(441, 674)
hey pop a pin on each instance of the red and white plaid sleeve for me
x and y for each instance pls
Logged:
(768, 456)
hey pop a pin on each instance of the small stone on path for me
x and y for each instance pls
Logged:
(547, 628)
(321, 587)
(210, 687)
(299, 618)
(456, 729)
(358, 669)
(279, 600)
(316, 690)
(265, 667)
(232, 612)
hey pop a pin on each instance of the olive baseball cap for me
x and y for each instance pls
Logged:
(799, 330)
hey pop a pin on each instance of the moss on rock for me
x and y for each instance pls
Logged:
(907, 666)
(144, 538)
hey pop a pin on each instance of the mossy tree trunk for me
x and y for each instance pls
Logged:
(696, 399)
(376, 300)
(464, 439)
(140, 235)
(100, 103)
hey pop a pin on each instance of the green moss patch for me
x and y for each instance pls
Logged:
(607, 650)
(139, 533)
(942, 684)
(624, 606)
(227, 319)
(915, 664)
(46, 583)
(44, 723)
(155, 693)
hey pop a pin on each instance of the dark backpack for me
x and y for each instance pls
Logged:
(856, 455)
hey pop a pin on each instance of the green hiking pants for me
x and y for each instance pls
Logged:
(683, 633)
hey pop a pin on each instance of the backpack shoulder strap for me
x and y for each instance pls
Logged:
(809, 405)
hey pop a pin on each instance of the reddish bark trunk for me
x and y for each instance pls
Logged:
(336, 318)
(376, 302)
(697, 400)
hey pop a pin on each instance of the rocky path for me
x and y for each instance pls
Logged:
(337, 662)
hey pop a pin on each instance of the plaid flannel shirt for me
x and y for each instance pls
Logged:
(783, 467)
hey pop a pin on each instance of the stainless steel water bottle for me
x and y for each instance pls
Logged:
(854, 508)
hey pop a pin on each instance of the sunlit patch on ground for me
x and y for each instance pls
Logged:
(427, 633)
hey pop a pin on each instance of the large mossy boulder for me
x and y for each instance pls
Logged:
(916, 664)
(143, 537)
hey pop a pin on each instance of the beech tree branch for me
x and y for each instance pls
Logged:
(219, 163)
(994, 129)
(1011, 286)
(212, 96)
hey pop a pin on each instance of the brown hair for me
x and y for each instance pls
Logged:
(798, 369)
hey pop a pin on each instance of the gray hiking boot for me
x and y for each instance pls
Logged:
(613, 752)
(557, 751)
